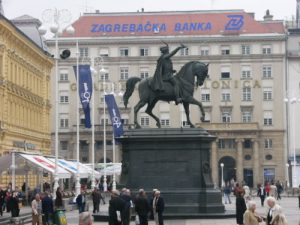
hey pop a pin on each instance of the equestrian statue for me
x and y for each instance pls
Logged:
(166, 86)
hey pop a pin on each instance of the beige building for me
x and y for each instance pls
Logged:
(24, 91)
(242, 97)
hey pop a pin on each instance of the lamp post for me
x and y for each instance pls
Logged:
(222, 175)
(293, 101)
(56, 18)
(287, 175)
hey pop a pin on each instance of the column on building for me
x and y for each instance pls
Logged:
(256, 176)
(214, 161)
(239, 157)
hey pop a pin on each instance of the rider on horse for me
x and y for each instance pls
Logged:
(164, 71)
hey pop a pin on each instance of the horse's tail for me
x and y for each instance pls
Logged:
(130, 84)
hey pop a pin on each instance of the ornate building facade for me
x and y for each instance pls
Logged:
(25, 70)
(242, 97)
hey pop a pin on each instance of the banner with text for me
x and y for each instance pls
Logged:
(85, 90)
(114, 115)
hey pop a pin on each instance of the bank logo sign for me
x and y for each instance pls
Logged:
(234, 22)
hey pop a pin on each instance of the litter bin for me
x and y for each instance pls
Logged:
(60, 217)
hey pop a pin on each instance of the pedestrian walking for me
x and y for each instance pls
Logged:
(14, 204)
(142, 207)
(273, 190)
(250, 216)
(261, 193)
(240, 205)
(158, 208)
(58, 200)
(81, 201)
(2, 199)
(126, 197)
(279, 190)
(47, 208)
(227, 192)
(36, 206)
(96, 200)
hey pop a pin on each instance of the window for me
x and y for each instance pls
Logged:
(268, 143)
(230, 143)
(124, 73)
(245, 49)
(125, 121)
(246, 72)
(247, 143)
(246, 116)
(104, 76)
(104, 52)
(205, 95)
(63, 75)
(165, 119)
(106, 121)
(64, 123)
(64, 145)
(204, 50)
(225, 50)
(267, 71)
(267, 94)
(185, 124)
(124, 52)
(184, 51)
(268, 118)
(226, 117)
(225, 95)
(144, 73)
(144, 52)
(269, 174)
(266, 49)
(144, 121)
(221, 143)
(83, 52)
(82, 119)
(246, 93)
(225, 72)
(64, 98)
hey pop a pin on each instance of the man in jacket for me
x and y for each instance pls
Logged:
(81, 201)
(47, 208)
(96, 200)
(273, 211)
(2, 199)
(142, 207)
(115, 209)
(158, 208)
(126, 197)
(261, 192)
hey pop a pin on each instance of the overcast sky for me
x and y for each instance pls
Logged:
(281, 9)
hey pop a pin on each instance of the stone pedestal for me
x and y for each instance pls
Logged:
(175, 161)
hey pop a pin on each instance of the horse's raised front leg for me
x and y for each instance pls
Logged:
(193, 101)
(137, 107)
(187, 113)
(149, 111)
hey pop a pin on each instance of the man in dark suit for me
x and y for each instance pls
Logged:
(47, 208)
(96, 200)
(115, 209)
(126, 197)
(142, 207)
(158, 208)
(261, 192)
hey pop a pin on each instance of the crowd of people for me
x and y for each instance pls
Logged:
(122, 205)
(246, 207)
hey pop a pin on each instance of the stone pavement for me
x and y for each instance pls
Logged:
(289, 205)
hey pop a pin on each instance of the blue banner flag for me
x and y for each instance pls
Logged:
(114, 115)
(85, 90)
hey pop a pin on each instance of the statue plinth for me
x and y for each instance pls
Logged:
(175, 161)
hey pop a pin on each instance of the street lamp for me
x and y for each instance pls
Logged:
(287, 175)
(293, 101)
(56, 18)
(222, 175)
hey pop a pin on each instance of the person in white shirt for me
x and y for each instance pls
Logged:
(274, 212)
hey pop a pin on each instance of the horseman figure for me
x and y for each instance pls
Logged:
(164, 72)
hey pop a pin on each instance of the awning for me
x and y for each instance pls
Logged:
(111, 168)
(84, 171)
(46, 164)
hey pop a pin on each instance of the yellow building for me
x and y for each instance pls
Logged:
(25, 68)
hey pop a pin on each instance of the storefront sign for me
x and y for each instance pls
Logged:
(24, 145)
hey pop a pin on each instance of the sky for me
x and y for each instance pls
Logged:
(282, 10)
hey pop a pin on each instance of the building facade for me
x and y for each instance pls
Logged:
(242, 98)
(25, 71)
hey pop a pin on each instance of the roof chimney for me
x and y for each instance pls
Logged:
(142, 9)
(97, 11)
(268, 16)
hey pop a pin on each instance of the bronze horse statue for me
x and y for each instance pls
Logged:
(186, 81)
